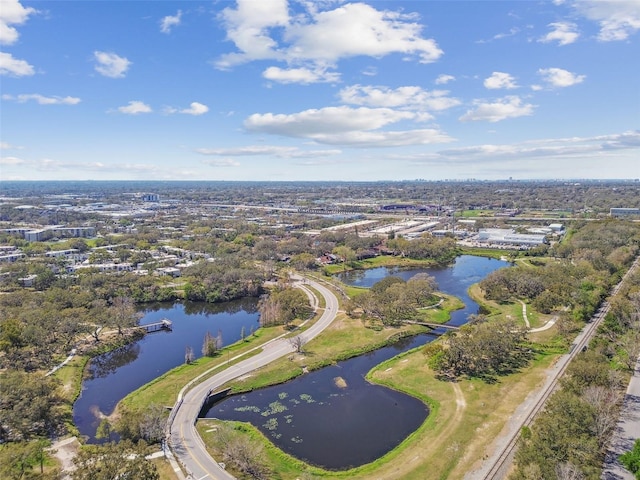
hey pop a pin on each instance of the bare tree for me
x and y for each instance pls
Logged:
(189, 356)
(210, 345)
(297, 342)
(123, 313)
(604, 402)
(568, 471)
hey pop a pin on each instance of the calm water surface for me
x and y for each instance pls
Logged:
(114, 375)
(337, 427)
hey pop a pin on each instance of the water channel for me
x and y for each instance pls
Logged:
(333, 417)
(112, 376)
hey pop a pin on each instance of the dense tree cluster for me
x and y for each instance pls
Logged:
(30, 407)
(123, 460)
(222, 280)
(26, 461)
(283, 306)
(239, 452)
(576, 425)
(480, 349)
(393, 300)
(441, 250)
(39, 328)
(589, 262)
(579, 419)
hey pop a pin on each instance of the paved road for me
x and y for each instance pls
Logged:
(184, 441)
(627, 431)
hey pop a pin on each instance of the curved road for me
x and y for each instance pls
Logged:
(184, 441)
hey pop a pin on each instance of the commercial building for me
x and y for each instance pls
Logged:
(624, 212)
(503, 236)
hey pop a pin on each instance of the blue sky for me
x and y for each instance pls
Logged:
(319, 90)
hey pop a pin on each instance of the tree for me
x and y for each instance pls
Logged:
(284, 306)
(148, 424)
(346, 254)
(123, 461)
(631, 459)
(123, 313)
(297, 342)
(29, 406)
(245, 455)
(211, 344)
(189, 356)
(19, 461)
(104, 430)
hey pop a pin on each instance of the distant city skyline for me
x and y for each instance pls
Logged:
(277, 90)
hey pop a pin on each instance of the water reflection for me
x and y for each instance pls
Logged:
(113, 375)
(338, 424)
(333, 417)
(106, 364)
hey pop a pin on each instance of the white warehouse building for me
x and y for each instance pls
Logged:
(502, 236)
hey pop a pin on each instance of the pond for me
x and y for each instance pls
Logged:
(333, 417)
(112, 376)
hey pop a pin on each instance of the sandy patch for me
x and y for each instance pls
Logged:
(340, 382)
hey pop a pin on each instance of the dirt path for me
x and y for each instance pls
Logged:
(406, 464)
(65, 451)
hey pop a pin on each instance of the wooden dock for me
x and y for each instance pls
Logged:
(164, 324)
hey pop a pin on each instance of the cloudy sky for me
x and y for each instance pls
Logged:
(319, 90)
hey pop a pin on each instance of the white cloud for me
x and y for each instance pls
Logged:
(300, 75)
(11, 161)
(14, 66)
(168, 22)
(346, 126)
(318, 37)
(248, 28)
(135, 107)
(110, 64)
(499, 80)
(271, 150)
(370, 71)
(508, 107)
(401, 138)
(617, 19)
(358, 29)
(444, 79)
(227, 162)
(42, 100)
(195, 108)
(329, 120)
(558, 77)
(12, 13)
(555, 148)
(563, 32)
(410, 97)
(512, 31)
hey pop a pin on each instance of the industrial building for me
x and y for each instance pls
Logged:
(503, 236)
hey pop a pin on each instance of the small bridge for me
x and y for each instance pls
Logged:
(432, 325)
(164, 324)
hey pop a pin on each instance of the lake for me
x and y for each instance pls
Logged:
(339, 424)
(114, 375)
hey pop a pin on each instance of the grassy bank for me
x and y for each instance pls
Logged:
(164, 389)
(454, 439)
(465, 418)
(379, 261)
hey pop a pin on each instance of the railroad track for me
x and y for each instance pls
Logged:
(502, 464)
